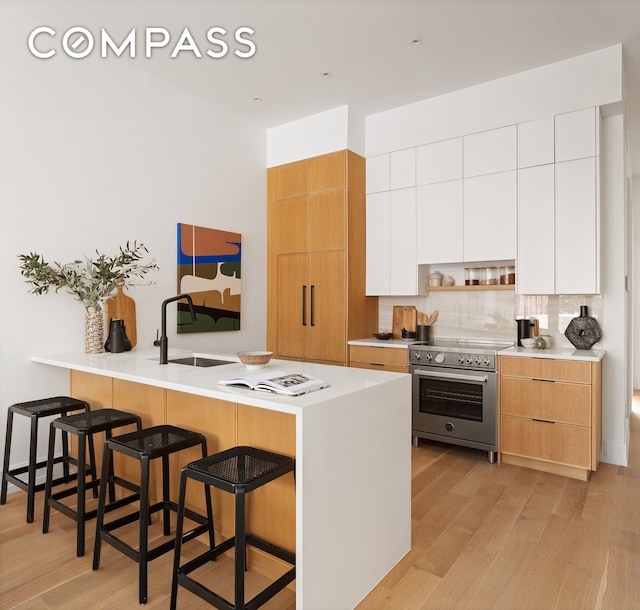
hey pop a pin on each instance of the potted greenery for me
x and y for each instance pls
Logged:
(91, 281)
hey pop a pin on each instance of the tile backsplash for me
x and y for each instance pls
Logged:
(489, 314)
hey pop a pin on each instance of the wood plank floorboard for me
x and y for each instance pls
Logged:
(484, 537)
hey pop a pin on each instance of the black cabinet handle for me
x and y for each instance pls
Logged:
(304, 306)
(311, 305)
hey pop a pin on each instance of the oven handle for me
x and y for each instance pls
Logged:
(455, 376)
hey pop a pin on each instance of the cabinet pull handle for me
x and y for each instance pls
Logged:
(304, 306)
(544, 421)
(311, 305)
(545, 380)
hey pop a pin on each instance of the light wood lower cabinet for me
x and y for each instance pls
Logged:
(550, 414)
(271, 510)
(379, 358)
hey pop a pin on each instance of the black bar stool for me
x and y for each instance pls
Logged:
(238, 471)
(84, 426)
(149, 444)
(34, 410)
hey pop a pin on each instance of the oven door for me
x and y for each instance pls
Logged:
(455, 405)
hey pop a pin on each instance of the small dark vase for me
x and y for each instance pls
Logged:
(583, 331)
(117, 341)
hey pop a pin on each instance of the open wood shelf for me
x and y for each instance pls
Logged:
(481, 287)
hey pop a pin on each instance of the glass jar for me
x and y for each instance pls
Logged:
(490, 276)
(507, 275)
(472, 276)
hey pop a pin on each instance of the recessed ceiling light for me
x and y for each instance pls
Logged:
(327, 74)
(416, 40)
(257, 99)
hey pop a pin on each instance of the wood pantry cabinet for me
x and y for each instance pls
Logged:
(550, 414)
(316, 258)
(379, 358)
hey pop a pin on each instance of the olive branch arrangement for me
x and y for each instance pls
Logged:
(92, 280)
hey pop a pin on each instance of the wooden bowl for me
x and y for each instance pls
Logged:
(255, 359)
(383, 336)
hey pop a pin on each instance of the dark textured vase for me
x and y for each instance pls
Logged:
(583, 331)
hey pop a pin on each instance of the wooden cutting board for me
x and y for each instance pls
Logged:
(404, 316)
(122, 307)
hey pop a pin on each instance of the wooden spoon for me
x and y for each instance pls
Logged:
(433, 317)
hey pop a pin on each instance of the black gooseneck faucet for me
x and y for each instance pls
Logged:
(163, 342)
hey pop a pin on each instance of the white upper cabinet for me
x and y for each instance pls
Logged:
(439, 222)
(378, 173)
(403, 270)
(378, 244)
(439, 161)
(536, 143)
(489, 152)
(402, 169)
(577, 134)
(490, 217)
(536, 231)
(577, 226)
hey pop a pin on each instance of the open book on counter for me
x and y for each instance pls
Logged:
(280, 382)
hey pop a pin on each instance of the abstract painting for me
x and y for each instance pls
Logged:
(209, 271)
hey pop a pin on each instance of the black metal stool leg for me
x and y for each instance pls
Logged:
(65, 456)
(49, 479)
(166, 513)
(7, 457)
(106, 457)
(144, 529)
(33, 454)
(179, 526)
(240, 548)
(80, 511)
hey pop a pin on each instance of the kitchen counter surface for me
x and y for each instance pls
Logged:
(338, 433)
(141, 366)
(555, 353)
(373, 342)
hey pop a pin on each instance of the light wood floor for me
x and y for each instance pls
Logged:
(485, 536)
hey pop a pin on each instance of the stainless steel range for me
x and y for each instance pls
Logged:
(454, 392)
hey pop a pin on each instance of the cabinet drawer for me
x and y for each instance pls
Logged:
(550, 400)
(545, 368)
(375, 366)
(378, 355)
(558, 443)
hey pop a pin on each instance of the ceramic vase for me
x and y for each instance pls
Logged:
(583, 331)
(94, 332)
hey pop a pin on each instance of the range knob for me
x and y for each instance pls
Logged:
(416, 355)
(439, 358)
(460, 359)
(469, 359)
(486, 361)
(477, 360)
(428, 356)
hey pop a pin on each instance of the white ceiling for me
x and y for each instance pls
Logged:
(365, 45)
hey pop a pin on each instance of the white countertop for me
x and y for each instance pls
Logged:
(373, 342)
(141, 365)
(556, 353)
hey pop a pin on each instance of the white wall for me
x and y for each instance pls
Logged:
(96, 153)
(336, 129)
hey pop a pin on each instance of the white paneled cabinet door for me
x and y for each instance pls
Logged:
(536, 143)
(377, 174)
(490, 217)
(577, 227)
(378, 244)
(402, 169)
(536, 231)
(439, 222)
(439, 161)
(491, 151)
(402, 234)
(577, 134)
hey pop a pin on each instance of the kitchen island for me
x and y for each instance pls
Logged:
(348, 514)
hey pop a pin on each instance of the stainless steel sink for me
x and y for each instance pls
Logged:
(199, 361)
